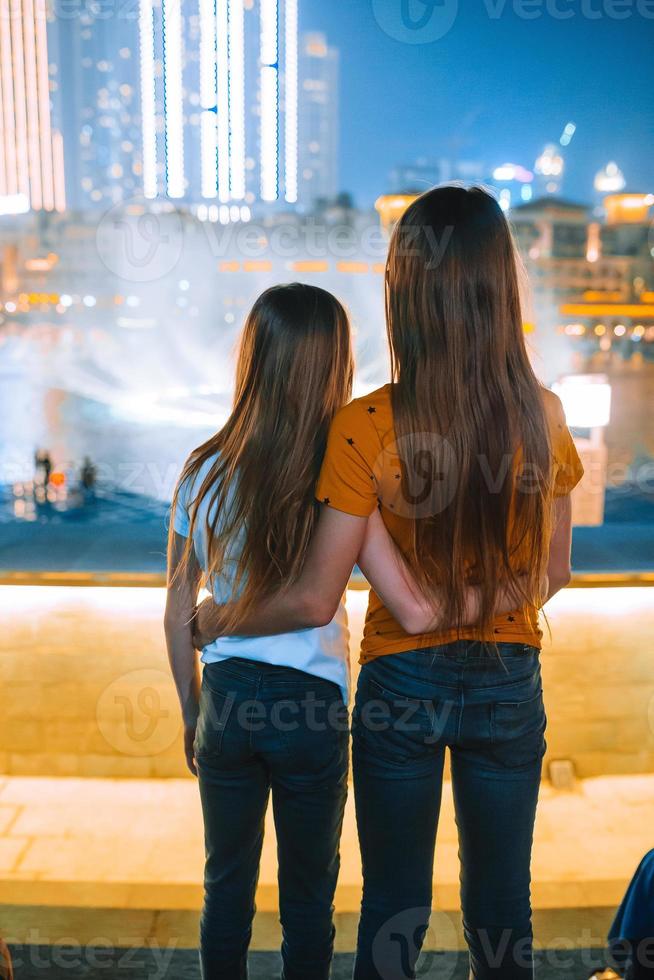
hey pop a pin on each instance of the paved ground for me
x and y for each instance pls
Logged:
(137, 844)
(36, 963)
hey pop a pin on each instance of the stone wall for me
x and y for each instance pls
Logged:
(85, 687)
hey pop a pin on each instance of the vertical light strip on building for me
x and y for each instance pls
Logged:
(3, 164)
(148, 103)
(20, 99)
(43, 86)
(269, 56)
(236, 45)
(208, 100)
(58, 165)
(173, 97)
(291, 102)
(222, 64)
(31, 88)
(8, 100)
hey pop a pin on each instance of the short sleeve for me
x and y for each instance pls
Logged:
(568, 466)
(179, 516)
(346, 479)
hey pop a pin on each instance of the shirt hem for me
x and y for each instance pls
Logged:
(424, 642)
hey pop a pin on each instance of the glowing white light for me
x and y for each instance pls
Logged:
(89, 301)
(269, 101)
(513, 171)
(567, 134)
(20, 97)
(66, 300)
(610, 179)
(291, 98)
(148, 111)
(43, 87)
(11, 175)
(222, 64)
(10, 307)
(236, 45)
(549, 163)
(208, 99)
(173, 97)
(14, 204)
(586, 400)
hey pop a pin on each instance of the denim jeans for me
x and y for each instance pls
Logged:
(488, 710)
(268, 730)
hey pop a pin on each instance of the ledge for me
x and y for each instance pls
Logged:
(157, 580)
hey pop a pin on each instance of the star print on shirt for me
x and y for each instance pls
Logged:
(371, 410)
(350, 442)
(326, 500)
(512, 619)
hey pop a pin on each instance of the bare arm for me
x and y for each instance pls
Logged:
(310, 601)
(558, 568)
(182, 594)
(382, 563)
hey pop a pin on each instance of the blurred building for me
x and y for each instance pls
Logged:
(212, 104)
(591, 282)
(31, 150)
(318, 121)
(219, 102)
(96, 102)
(425, 172)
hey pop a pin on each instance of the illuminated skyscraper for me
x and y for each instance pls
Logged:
(96, 102)
(219, 102)
(318, 121)
(31, 151)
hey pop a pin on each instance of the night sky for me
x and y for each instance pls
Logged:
(493, 88)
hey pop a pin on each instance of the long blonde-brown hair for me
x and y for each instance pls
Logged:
(468, 412)
(294, 372)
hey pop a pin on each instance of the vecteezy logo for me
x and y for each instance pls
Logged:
(396, 947)
(416, 21)
(138, 244)
(137, 713)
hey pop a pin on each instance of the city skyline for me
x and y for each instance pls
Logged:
(226, 102)
(496, 87)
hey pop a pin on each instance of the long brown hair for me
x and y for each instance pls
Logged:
(294, 372)
(468, 412)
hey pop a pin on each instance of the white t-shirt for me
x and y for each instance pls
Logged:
(323, 652)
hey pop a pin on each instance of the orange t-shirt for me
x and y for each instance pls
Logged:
(361, 467)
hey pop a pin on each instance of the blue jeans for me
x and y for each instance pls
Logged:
(264, 729)
(489, 712)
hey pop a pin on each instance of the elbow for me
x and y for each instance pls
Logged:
(559, 578)
(415, 621)
(315, 612)
(175, 620)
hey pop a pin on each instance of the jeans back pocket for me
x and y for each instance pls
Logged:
(518, 730)
(215, 709)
